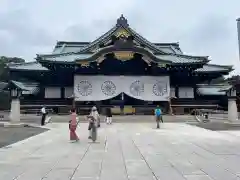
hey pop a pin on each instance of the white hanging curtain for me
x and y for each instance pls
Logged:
(97, 88)
(147, 88)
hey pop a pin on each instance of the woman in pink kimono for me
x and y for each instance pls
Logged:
(73, 126)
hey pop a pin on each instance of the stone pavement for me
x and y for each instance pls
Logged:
(134, 151)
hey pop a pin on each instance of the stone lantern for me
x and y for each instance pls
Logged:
(15, 90)
(232, 104)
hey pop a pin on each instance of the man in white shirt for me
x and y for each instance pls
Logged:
(43, 111)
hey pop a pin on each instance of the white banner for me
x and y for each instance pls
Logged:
(147, 88)
(97, 88)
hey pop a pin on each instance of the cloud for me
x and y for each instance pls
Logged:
(19, 34)
(201, 27)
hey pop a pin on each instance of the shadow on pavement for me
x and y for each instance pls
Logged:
(10, 135)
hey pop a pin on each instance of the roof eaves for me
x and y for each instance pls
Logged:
(56, 62)
(228, 69)
(19, 85)
(223, 66)
(15, 66)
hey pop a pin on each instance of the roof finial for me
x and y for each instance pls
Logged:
(122, 21)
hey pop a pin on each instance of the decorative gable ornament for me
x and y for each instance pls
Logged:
(161, 65)
(122, 21)
(83, 63)
(124, 55)
(122, 33)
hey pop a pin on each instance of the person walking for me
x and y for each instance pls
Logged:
(108, 115)
(73, 126)
(158, 116)
(94, 113)
(44, 113)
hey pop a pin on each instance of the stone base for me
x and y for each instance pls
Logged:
(15, 111)
(232, 110)
(15, 125)
(9, 124)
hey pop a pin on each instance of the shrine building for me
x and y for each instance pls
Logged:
(119, 68)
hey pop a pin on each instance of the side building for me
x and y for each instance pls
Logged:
(120, 68)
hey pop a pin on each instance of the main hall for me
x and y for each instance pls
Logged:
(120, 68)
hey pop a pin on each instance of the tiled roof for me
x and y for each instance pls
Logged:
(121, 24)
(71, 47)
(167, 50)
(181, 58)
(66, 47)
(171, 58)
(212, 89)
(67, 58)
(26, 87)
(214, 68)
(35, 66)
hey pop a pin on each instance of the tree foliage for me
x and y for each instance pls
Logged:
(4, 61)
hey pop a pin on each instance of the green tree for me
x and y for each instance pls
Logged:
(4, 61)
(4, 77)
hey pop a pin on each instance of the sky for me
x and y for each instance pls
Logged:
(204, 28)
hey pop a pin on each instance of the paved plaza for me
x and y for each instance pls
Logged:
(134, 151)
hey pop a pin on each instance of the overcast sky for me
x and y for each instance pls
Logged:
(202, 27)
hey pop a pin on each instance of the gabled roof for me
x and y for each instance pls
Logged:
(67, 51)
(25, 87)
(32, 66)
(69, 47)
(214, 68)
(122, 26)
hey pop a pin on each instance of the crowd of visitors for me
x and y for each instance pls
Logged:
(94, 120)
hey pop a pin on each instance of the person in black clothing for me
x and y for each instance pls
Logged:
(108, 115)
(44, 114)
